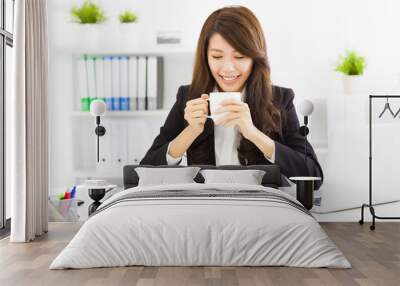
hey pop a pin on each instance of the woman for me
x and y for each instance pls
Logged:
(231, 56)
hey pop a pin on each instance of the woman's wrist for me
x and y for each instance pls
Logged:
(182, 142)
(193, 132)
(263, 142)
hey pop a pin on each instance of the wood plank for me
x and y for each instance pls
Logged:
(375, 257)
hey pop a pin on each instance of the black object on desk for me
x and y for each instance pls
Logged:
(370, 204)
(305, 190)
(96, 195)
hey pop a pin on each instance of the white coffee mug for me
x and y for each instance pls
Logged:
(215, 99)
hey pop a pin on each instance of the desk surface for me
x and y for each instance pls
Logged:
(305, 178)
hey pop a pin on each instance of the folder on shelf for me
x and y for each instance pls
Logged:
(142, 82)
(137, 150)
(82, 87)
(154, 82)
(133, 86)
(91, 77)
(124, 96)
(115, 82)
(99, 78)
(105, 164)
(107, 78)
(119, 145)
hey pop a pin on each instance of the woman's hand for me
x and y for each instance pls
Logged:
(238, 115)
(196, 112)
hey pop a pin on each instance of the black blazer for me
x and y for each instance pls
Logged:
(289, 149)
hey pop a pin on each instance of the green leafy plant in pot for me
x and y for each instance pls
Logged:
(88, 13)
(127, 17)
(88, 26)
(128, 28)
(352, 67)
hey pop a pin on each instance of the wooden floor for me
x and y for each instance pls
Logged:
(374, 255)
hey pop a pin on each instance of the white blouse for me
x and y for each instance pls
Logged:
(226, 140)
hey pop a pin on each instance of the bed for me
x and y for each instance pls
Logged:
(201, 224)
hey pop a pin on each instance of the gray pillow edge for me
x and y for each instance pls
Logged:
(139, 171)
(259, 177)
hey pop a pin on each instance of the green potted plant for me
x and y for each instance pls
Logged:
(127, 17)
(128, 29)
(352, 67)
(88, 26)
(88, 13)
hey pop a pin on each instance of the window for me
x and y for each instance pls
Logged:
(6, 44)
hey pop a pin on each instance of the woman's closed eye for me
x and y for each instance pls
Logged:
(220, 57)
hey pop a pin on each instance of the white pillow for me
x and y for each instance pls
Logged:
(248, 177)
(163, 176)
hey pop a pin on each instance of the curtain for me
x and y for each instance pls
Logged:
(28, 122)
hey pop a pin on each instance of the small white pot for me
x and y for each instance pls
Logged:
(93, 38)
(351, 83)
(85, 37)
(128, 36)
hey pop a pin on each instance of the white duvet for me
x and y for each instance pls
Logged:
(182, 231)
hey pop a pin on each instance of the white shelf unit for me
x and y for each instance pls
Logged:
(128, 136)
(73, 138)
(141, 126)
(130, 113)
(111, 36)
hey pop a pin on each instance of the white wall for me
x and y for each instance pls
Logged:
(304, 40)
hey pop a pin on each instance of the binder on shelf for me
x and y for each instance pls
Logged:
(132, 82)
(137, 151)
(91, 77)
(142, 83)
(107, 78)
(124, 96)
(105, 165)
(154, 82)
(119, 145)
(115, 83)
(82, 87)
(99, 77)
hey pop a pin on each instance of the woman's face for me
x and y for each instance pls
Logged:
(229, 68)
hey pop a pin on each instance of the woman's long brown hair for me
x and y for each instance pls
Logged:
(241, 29)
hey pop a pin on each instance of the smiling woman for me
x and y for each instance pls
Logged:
(261, 129)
